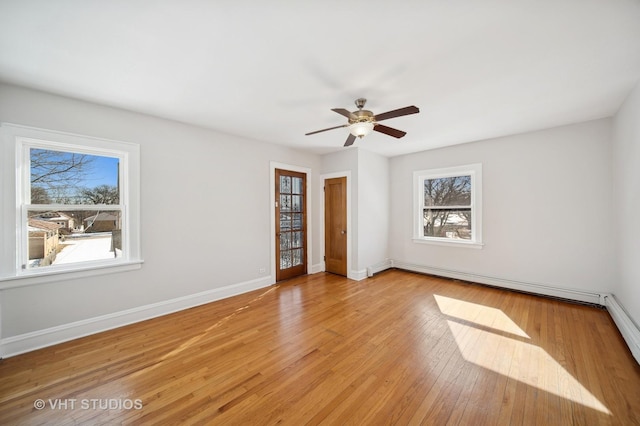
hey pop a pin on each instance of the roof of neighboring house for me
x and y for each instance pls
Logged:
(53, 216)
(43, 225)
(101, 216)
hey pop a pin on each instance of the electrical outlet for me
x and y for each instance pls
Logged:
(262, 270)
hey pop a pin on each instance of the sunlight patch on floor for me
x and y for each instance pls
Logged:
(511, 357)
(479, 314)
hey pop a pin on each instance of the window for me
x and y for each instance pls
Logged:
(72, 204)
(448, 206)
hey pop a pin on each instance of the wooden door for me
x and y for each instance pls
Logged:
(291, 224)
(335, 225)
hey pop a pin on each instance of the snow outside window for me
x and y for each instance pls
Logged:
(75, 205)
(447, 205)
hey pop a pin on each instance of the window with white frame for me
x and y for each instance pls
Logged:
(72, 203)
(448, 205)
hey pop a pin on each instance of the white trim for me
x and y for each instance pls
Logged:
(273, 165)
(357, 275)
(447, 242)
(629, 330)
(66, 274)
(318, 267)
(323, 178)
(27, 342)
(379, 267)
(15, 184)
(543, 289)
(473, 170)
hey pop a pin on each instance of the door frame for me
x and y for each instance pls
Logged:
(323, 177)
(273, 165)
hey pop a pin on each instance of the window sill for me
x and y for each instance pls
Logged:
(44, 277)
(449, 242)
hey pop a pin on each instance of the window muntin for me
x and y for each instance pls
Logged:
(71, 207)
(101, 204)
(448, 207)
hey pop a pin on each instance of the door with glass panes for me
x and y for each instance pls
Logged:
(291, 221)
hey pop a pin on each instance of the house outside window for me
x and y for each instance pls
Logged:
(72, 204)
(448, 206)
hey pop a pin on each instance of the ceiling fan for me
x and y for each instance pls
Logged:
(362, 121)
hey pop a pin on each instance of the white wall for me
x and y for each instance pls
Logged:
(369, 207)
(205, 203)
(547, 210)
(373, 209)
(547, 217)
(626, 202)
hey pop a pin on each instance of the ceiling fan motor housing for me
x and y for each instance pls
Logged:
(362, 116)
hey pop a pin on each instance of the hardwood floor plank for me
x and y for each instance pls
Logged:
(397, 348)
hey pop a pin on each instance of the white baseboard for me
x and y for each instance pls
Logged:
(27, 342)
(353, 275)
(357, 275)
(629, 330)
(564, 293)
(379, 267)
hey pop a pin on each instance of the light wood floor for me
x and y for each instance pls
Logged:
(399, 348)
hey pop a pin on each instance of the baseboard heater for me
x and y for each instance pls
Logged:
(526, 287)
(627, 327)
(629, 330)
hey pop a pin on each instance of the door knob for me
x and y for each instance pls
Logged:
(344, 231)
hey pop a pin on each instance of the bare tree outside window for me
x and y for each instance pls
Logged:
(57, 174)
(84, 229)
(101, 194)
(447, 207)
(65, 178)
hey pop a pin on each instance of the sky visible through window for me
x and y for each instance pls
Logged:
(68, 177)
(106, 171)
(77, 232)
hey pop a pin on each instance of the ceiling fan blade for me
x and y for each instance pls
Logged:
(342, 111)
(397, 113)
(324, 130)
(389, 131)
(350, 140)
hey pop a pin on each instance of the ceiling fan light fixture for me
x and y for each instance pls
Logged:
(361, 129)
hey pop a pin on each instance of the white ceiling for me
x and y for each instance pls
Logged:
(272, 70)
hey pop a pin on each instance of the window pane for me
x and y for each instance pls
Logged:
(285, 184)
(297, 185)
(447, 223)
(297, 203)
(450, 191)
(59, 177)
(285, 203)
(64, 237)
(297, 257)
(285, 240)
(285, 222)
(297, 240)
(285, 259)
(297, 221)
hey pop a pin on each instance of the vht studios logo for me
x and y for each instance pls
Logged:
(88, 404)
